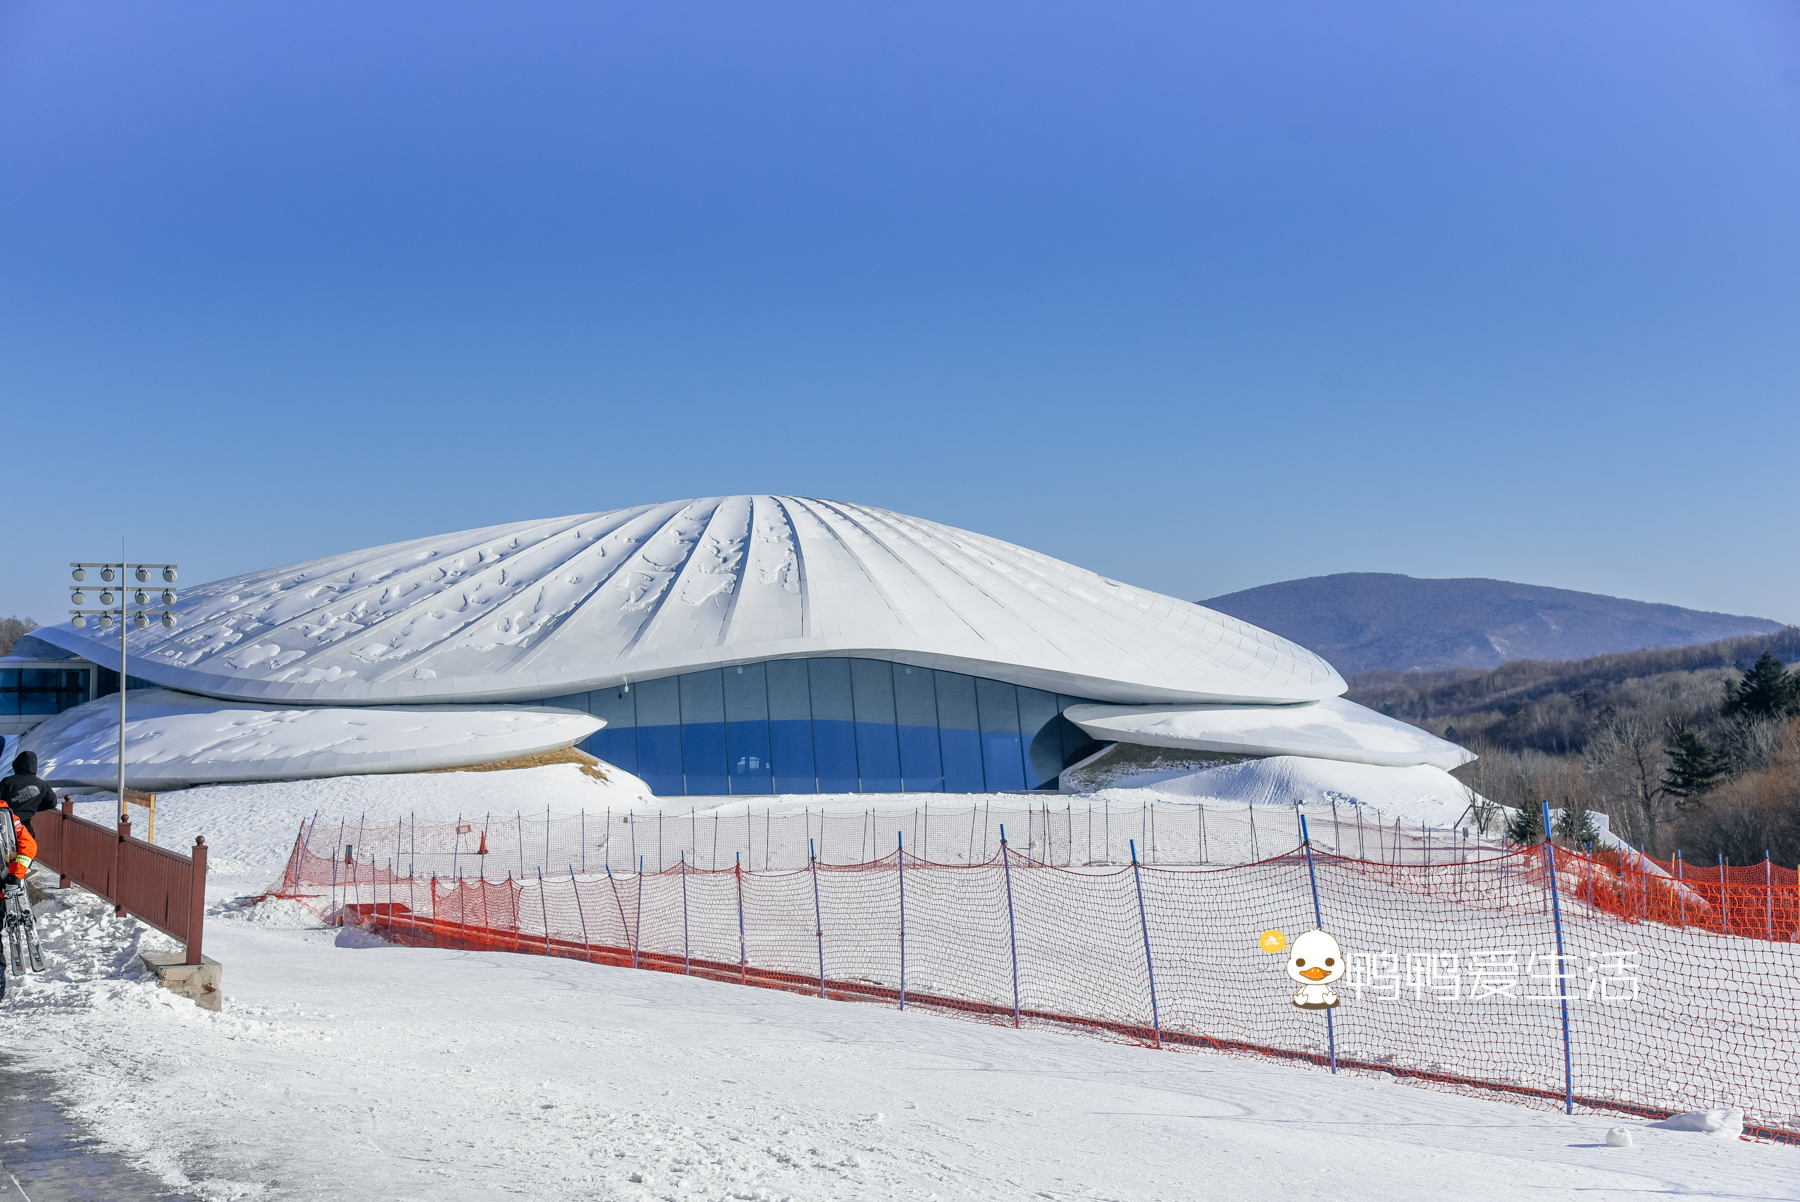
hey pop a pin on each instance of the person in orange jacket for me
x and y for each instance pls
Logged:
(24, 851)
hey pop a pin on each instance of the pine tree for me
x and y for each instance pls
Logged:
(1768, 690)
(1575, 826)
(1695, 768)
(1526, 827)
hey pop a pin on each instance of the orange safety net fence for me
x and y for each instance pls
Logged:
(1619, 990)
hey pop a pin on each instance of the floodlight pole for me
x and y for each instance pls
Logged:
(126, 612)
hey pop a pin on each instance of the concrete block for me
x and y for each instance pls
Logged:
(203, 982)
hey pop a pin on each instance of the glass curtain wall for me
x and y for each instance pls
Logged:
(832, 726)
(27, 691)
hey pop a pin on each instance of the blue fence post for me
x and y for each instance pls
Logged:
(737, 872)
(1012, 926)
(812, 863)
(687, 964)
(1562, 979)
(587, 946)
(1319, 922)
(619, 904)
(900, 864)
(1724, 901)
(543, 909)
(1144, 926)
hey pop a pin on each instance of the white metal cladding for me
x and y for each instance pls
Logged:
(543, 608)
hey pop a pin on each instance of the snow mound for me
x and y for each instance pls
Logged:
(175, 739)
(1724, 1123)
(1420, 794)
(1333, 729)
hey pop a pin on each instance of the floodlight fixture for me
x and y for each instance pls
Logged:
(78, 598)
(143, 574)
(106, 597)
(80, 574)
(106, 621)
(168, 620)
(169, 574)
(168, 597)
(106, 574)
(79, 620)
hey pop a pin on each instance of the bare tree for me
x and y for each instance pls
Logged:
(12, 630)
(1628, 757)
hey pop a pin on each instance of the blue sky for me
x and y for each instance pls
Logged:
(1201, 296)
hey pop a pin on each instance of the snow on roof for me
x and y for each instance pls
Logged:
(173, 739)
(1332, 729)
(544, 608)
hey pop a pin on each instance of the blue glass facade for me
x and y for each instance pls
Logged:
(832, 726)
(29, 691)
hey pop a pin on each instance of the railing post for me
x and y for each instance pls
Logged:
(1144, 926)
(196, 901)
(900, 868)
(1312, 877)
(687, 963)
(812, 864)
(118, 872)
(637, 931)
(1562, 980)
(68, 812)
(1012, 928)
(1768, 895)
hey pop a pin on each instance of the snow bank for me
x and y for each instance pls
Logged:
(345, 1068)
(1334, 729)
(174, 739)
(1420, 795)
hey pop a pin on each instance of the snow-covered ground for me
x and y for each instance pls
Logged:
(342, 1067)
(347, 1068)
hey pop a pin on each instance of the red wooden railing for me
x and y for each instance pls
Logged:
(163, 888)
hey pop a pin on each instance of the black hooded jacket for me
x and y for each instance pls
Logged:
(23, 792)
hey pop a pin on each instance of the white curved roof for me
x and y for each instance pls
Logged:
(175, 739)
(543, 608)
(1332, 729)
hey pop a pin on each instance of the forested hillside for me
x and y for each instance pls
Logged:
(1691, 747)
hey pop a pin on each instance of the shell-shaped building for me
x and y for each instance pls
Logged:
(745, 644)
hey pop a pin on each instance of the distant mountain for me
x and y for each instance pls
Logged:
(1364, 621)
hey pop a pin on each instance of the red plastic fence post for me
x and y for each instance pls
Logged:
(196, 901)
(1012, 929)
(336, 911)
